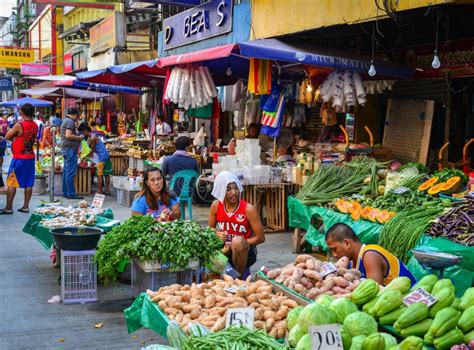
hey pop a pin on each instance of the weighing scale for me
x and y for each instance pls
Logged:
(436, 261)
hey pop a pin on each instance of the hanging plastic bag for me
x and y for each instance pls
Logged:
(218, 263)
(85, 149)
(200, 139)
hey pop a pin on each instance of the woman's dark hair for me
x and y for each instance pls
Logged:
(339, 232)
(165, 196)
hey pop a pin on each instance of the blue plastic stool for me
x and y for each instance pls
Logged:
(187, 189)
(246, 273)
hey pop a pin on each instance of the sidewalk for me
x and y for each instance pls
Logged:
(28, 280)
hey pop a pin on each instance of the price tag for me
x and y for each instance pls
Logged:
(98, 201)
(327, 269)
(419, 295)
(400, 190)
(234, 289)
(240, 317)
(327, 337)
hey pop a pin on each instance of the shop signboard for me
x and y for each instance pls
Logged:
(456, 57)
(68, 63)
(13, 58)
(107, 34)
(35, 69)
(202, 22)
(6, 84)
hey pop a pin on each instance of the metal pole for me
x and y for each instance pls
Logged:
(51, 173)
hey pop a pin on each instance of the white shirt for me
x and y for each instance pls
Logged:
(163, 129)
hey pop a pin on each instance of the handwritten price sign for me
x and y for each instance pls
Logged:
(419, 296)
(327, 269)
(327, 337)
(98, 201)
(241, 317)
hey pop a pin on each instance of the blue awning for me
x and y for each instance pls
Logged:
(278, 50)
(137, 74)
(21, 101)
(108, 89)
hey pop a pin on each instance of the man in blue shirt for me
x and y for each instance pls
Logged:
(180, 160)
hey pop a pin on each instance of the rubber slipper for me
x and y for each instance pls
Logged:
(6, 212)
(23, 210)
(107, 193)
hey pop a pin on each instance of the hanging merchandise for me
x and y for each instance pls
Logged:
(377, 86)
(239, 91)
(301, 92)
(227, 102)
(190, 87)
(273, 111)
(342, 89)
(252, 110)
(260, 76)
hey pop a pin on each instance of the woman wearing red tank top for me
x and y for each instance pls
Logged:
(236, 222)
(22, 168)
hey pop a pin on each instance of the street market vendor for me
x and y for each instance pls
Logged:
(236, 222)
(154, 199)
(371, 260)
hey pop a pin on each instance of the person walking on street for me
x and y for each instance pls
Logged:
(70, 141)
(22, 168)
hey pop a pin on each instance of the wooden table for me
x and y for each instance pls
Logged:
(270, 201)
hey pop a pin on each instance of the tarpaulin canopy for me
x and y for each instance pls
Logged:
(138, 74)
(290, 58)
(105, 88)
(67, 92)
(21, 101)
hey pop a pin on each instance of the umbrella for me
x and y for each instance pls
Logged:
(21, 101)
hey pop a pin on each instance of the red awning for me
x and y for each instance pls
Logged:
(198, 56)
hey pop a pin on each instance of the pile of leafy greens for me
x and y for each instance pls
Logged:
(142, 237)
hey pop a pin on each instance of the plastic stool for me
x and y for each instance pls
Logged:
(186, 191)
(246, 273)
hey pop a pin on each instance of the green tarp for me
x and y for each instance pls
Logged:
(145, 313)
(301, 216)
(45, 238)
(462, 274)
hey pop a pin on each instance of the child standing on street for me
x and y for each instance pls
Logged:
(104, 165)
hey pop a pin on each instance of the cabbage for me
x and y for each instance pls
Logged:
(359, 323)
(342, 307)
(314, 315)
(357, 342)
(304, 343)
(390, 340)
(346, 339)
(325, 299)
(292, 317)
(295, 335)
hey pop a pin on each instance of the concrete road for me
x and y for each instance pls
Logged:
(28, 280)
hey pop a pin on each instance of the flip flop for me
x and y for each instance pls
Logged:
(6, 212)
(23, 210)
(107, 193)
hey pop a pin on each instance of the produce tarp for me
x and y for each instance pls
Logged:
(45, 238)
(462, 274)
(301, 216)
(145, 313)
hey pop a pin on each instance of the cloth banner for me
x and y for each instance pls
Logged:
(272, 112)
(260, 76)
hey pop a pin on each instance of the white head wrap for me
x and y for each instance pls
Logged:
(223, 179)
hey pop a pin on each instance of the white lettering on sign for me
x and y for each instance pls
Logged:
(419, 295)
(240, 317)
(220, 13)
(327, 269)
(196, 23)
(327, 337)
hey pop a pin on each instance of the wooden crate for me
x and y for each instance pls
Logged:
(120, 164)
(83, 180)
(128, 197)
(270, 201)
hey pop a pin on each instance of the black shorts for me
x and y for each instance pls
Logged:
(251, 258)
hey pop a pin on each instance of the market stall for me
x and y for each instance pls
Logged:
(46, 217)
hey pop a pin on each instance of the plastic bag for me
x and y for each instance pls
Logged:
(200, 139)
(85, 149)
(396, 179)
(218, 263)
(175, 335)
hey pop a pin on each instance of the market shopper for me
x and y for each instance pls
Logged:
(371, 260)
(180, 160)
(22, 168)
(104, 165)
(254, 131)
(70, 141)
(236, 222)
(154, 199)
